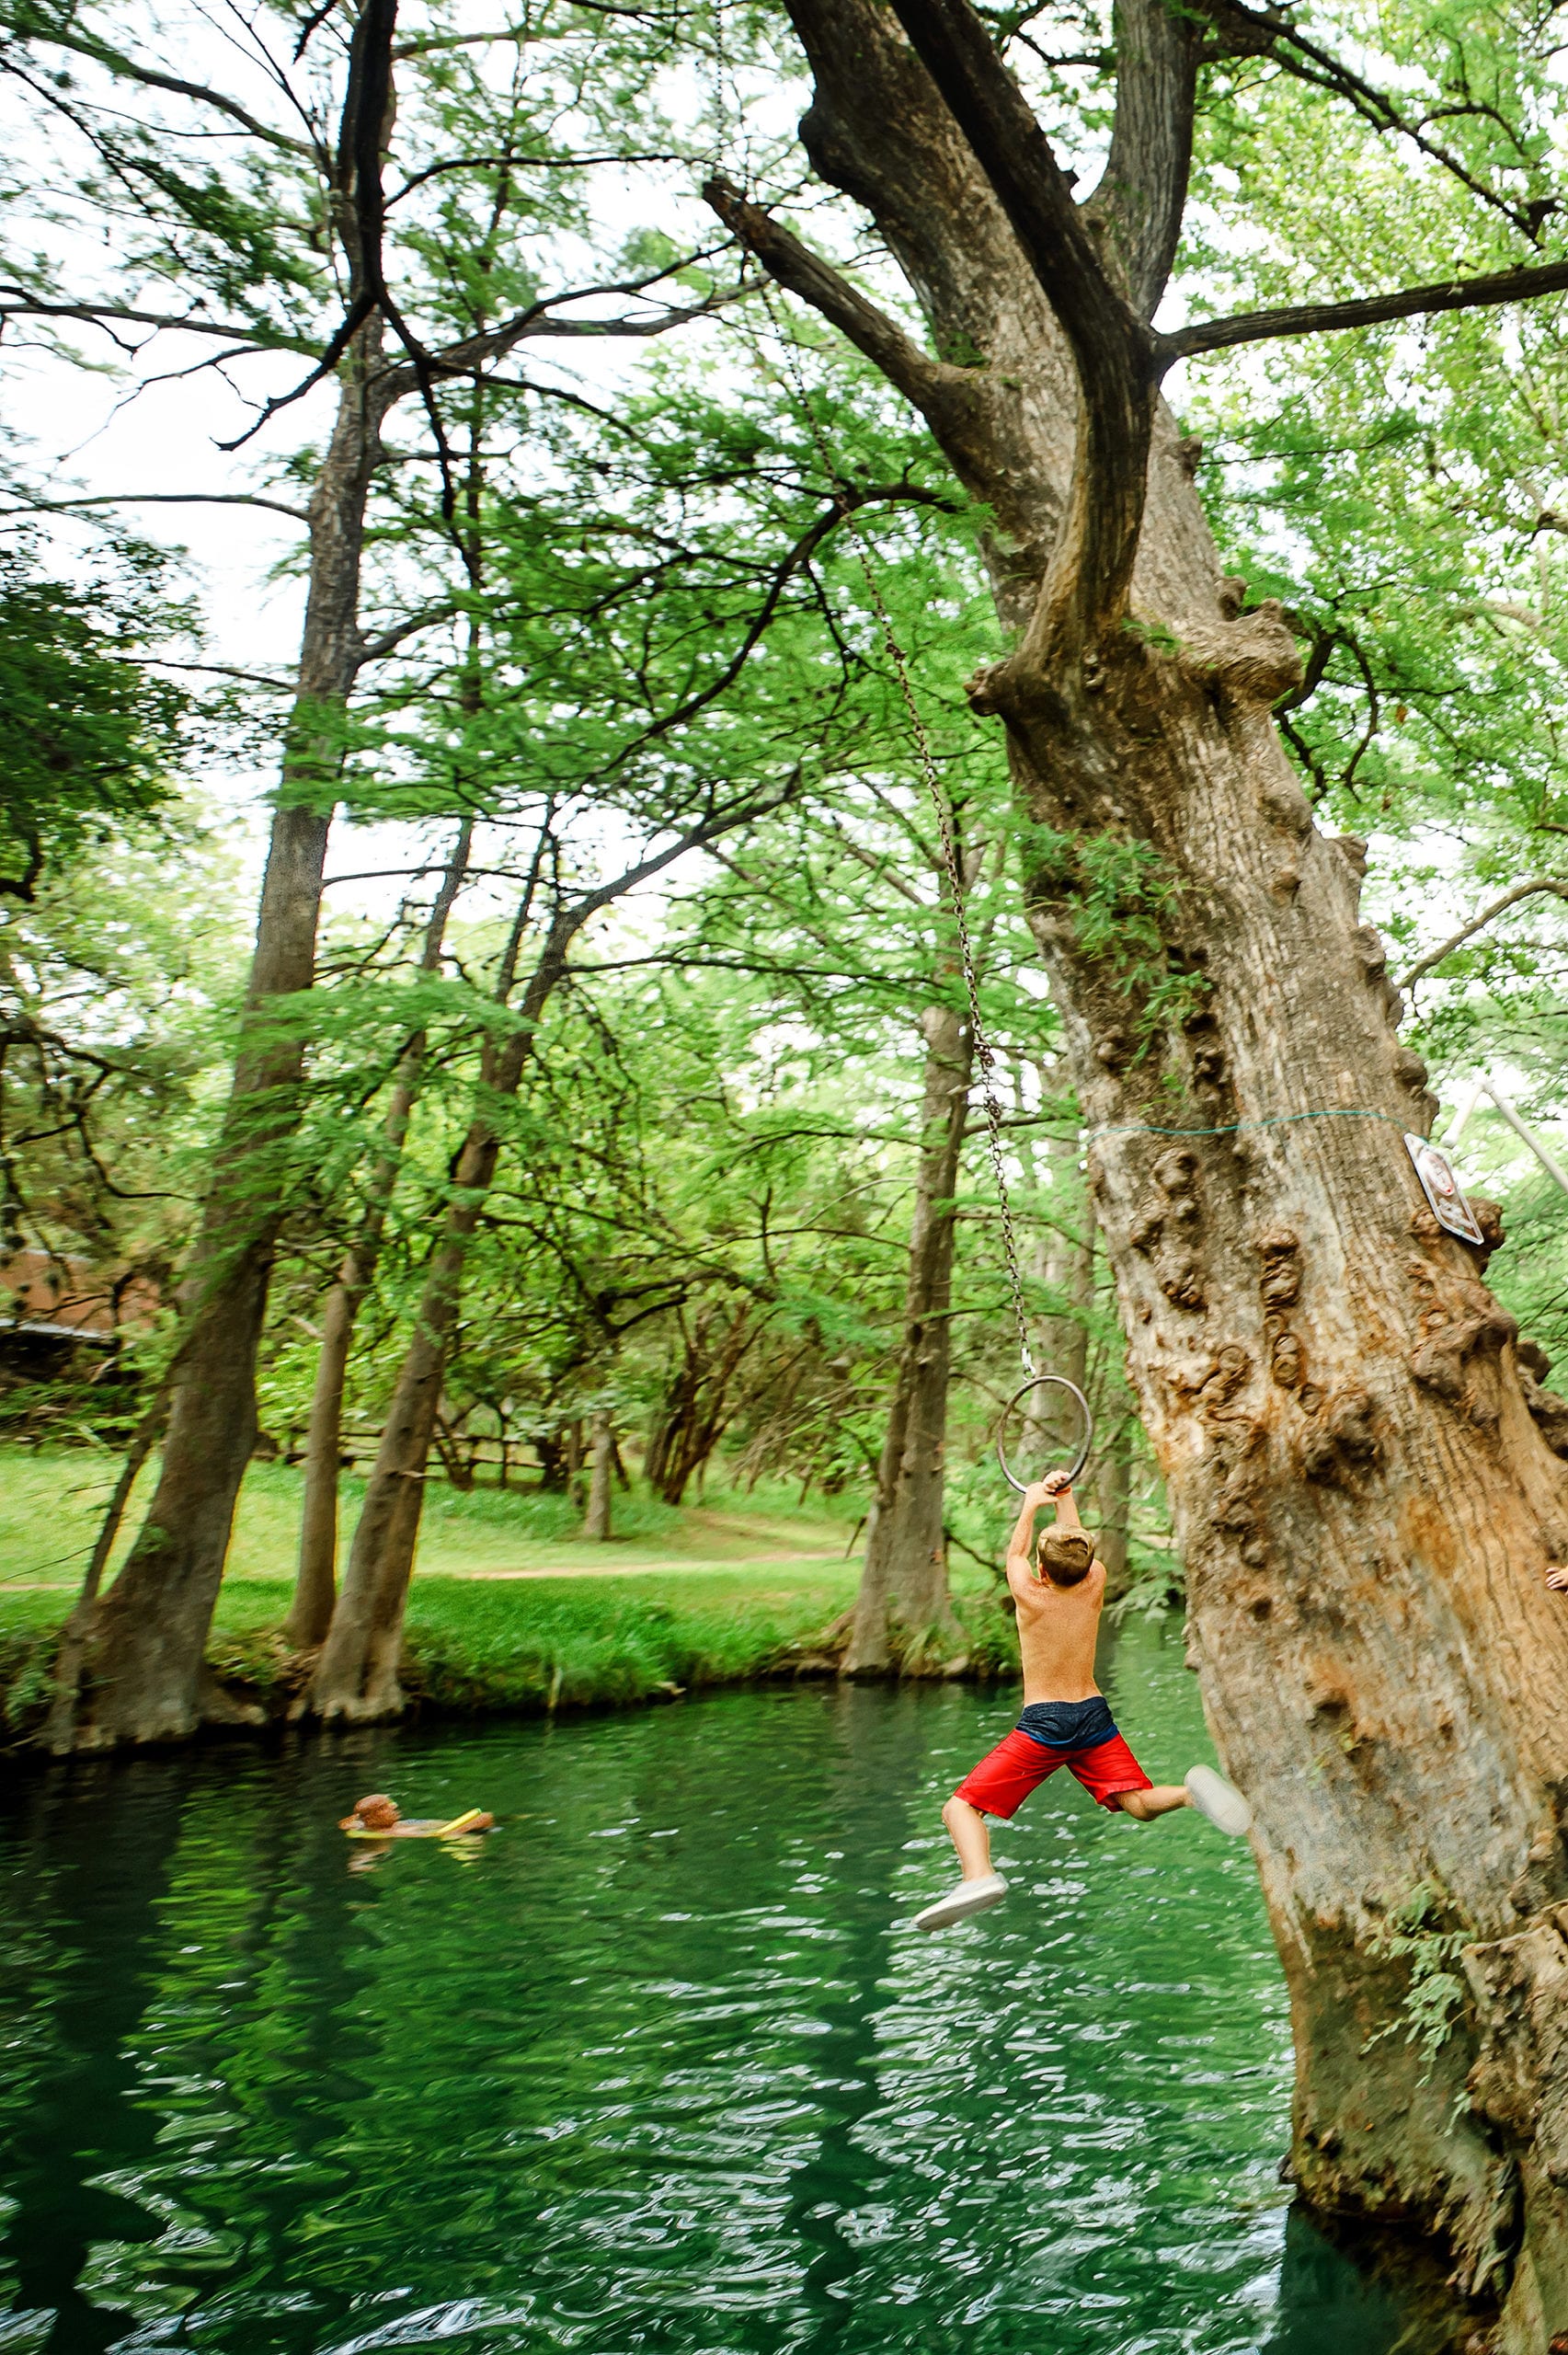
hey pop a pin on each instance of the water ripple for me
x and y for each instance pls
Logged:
(663, 2071)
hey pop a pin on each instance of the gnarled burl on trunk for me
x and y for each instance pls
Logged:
(1364, 1500)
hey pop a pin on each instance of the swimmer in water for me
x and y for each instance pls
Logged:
(381, 1816)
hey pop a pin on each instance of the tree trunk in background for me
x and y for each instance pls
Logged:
(697, 1407)
(144, 1648)
(315, 1586)
(356, 1674)
(1114, 1487)
(1363, 1501)
(602, 1474)
(903, 1618)
(1064, 1262)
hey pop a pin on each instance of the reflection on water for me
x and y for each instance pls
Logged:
(660, 2066)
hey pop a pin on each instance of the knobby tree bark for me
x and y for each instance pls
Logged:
(315, 1583)
(903, 1614)
(1364, 1499)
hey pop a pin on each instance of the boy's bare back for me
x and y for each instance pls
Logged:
(1058, 1626)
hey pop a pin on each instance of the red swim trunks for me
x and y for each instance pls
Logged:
(1103, 1763)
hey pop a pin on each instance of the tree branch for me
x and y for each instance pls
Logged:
(1143, 191)
(474, 351)
(921, 379)
(1268, 36)
(1086, 589)
(115, 62)
(156, 498)
(1373, 310)
(847, 502)
(1552, 885)
(15, 303)
(372, 650)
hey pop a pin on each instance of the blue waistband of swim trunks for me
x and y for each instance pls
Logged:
(1069, 1725)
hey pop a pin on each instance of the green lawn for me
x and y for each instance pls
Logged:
(52, 1498)
(510, 1608)
(690, 1596)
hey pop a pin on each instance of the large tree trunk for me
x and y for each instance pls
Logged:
(143, 1651)
(903, 1615)
(315, 1584)
(1365, 1503)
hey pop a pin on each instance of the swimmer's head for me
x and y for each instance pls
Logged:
(1066, 1555)
(377, 1813)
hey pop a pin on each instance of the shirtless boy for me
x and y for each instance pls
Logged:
(1065, 1721)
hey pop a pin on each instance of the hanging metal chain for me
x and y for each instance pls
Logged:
(927, 762)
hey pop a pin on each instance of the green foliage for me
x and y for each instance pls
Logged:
(1412, 1932)
(119, 981)
(91, 733)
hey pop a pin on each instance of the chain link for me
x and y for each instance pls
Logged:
(927, 762)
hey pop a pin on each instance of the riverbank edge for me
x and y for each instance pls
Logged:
(256, 1679)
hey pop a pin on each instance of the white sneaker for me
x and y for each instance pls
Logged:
(969, 1897)
(1214, 1797)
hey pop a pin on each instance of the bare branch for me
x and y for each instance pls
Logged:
(1552, 885)
(462, 358)
(17, 303)
(133, 69)
(522, 162)
(920, 378)
(847, 502)
(386, 641)
(157, 498)
(225, 671)
(342, 336)
(1373, 310)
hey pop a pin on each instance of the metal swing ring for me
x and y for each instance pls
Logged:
(1038, 1382)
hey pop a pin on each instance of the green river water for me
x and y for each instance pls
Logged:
(660, 2065)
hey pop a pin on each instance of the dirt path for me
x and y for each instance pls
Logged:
(656, 1569)
(611, 1569)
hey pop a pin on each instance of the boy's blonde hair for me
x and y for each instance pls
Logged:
(1067, 1555)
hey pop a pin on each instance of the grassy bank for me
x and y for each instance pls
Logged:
(510, 1610)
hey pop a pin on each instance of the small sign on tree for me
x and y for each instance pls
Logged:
(1442, 1190)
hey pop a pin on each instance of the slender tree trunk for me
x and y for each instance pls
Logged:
(356, 1674)
(143, 1646)
(1116, 1499)
(1065, 1266)
(315, 1586)
(1365, 1503)
(698, 1407)
(60, 1731)
(903, 1618)
(602, 1474)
